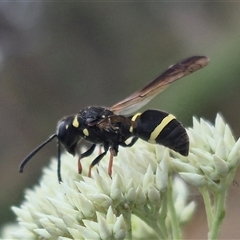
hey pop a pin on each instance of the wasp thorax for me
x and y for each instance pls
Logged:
(68, 134)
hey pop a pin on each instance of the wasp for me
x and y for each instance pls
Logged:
(111, 127)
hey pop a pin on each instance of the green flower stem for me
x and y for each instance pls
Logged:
(208, 206)
(218, 215)
(220, 209)
(151, 221)
(157, 229)
(128, 220)
(176, 232)
(163, 214)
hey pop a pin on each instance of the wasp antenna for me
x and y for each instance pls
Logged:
(25, 161)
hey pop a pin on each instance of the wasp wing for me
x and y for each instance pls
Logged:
(141, 97)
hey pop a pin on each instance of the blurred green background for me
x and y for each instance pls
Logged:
(56, 58)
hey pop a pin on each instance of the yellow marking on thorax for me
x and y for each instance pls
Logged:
(75, 122)
(85, 132)
(134, 119)
(155, 133)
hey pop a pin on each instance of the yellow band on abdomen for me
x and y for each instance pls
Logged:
(155, 133)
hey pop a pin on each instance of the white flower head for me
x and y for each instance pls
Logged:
(140, 200)
(102, 207)
(213, 154)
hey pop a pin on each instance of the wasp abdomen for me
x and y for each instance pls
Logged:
(162, 128)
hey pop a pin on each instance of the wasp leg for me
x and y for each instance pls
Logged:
(97, 159)
(110, 164)
(133, 141)
(83, 155)
(100, 150)
(113, 152)
(59, 162)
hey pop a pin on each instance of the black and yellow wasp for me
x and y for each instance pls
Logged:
(111, 127)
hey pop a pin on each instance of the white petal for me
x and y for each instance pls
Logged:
(141, 197)
(42, 232)
(51, 228)
(116, 188)
(203, 157)
(101, 200)
(74, 232)
(103, 227)
(154, 196)
(91, 225)
(58, 222)
(194, 179)
(161, 179)
(221, 150)
(87, 233)
(110, 217)
(220, 124)
(234, 155)
(187, 212)
(85, 206)
(179, 166)
(119, 229)
(228, 136)
(131, 195)
(220, 165)
(148, 177)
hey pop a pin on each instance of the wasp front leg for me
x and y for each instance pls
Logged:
(83, 155)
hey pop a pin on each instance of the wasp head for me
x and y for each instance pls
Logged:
(68, 135)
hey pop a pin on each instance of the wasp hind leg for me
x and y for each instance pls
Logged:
(83, 155)
(113, 152)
